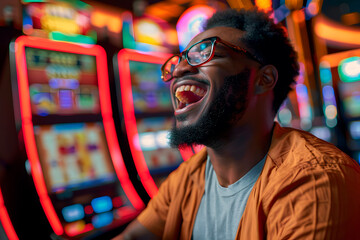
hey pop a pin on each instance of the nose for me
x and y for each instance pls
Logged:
(184, 68)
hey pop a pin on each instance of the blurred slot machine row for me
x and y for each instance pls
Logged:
(78, 183)
(82, 131)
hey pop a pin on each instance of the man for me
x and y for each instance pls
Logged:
(254, 179)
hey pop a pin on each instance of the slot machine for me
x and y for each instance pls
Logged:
(148, 116)
(65, 119)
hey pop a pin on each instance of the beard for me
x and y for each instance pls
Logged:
(228, 106)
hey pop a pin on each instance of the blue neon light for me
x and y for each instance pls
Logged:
(73, 212)
(102, 204)
(329, 96)
(65, 98)
(102, 219)
(325, 75)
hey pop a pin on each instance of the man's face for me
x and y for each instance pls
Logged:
(209, 99)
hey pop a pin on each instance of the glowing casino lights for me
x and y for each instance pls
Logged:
(349, 69)
(304, 106)
(190, 23)
(329, 100)
(5, 220)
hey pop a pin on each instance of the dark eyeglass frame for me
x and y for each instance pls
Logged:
(184, 54)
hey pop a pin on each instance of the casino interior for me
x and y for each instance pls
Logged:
(85, 116)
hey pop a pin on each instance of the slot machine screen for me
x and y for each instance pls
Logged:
(74, 156)
(153, 141)
(62, 83)
(150, 93)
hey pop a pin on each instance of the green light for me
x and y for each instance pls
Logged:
(349, 69)
(75, 3)
(75, 38)
(33, 1)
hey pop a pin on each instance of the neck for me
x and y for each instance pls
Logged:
(242, 149)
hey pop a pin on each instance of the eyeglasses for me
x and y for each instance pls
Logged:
(197, 54)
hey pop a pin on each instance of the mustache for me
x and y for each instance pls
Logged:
(205, 81)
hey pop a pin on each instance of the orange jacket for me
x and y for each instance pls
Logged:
(308, 189)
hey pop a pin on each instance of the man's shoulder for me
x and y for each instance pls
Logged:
(298, 161)
(299, 149)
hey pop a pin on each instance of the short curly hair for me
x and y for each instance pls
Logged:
(267, 41)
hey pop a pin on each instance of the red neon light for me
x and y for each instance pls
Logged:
(28, 128)
(124, 56)
(88, 209)
(76, 229)
(110, 132)
(5, 220)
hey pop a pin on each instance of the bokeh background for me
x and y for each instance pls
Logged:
(84, 115)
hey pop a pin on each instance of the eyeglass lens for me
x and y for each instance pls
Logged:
(195, 55)
(199, 53)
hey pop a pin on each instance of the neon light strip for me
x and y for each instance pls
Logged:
(28, 128)
(110, 132)
(336, 33)
(334, 59)
(124, 56)
(5, 220)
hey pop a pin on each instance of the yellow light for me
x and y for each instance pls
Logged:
(54, 23)
(171, 37)
(265, 5)
(294, 4)
(299, 17)
(148, 32)
(164, 10)
(336, 33)
(330, 112)
(103, 19)
(245, 4)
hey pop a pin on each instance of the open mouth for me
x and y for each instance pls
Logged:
(188, 94)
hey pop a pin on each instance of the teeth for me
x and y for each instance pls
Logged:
(184, 98)
(198, 91)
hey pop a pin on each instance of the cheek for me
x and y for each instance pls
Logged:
(252, 83)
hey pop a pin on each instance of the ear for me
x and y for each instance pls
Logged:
(266, 79)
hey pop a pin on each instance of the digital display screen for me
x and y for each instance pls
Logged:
(62, 83)
(153, 141)
(74, 156)
(350, 97)
(150, 93)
